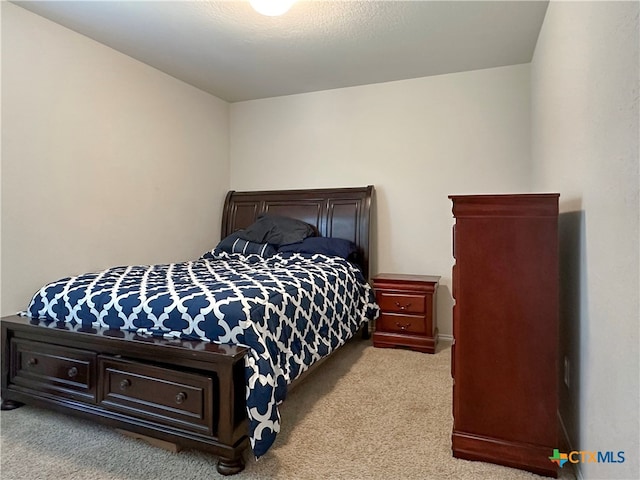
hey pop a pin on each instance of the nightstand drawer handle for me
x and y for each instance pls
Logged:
(72, 372)
(32, 362)
(124, 384)
(403, 307)
(403, 326)
(181, 397)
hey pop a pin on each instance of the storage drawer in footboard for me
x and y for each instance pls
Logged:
(175, 398)
(53, 370)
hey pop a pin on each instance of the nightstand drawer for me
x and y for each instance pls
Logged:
(162, 395)
(395, 322)
(400, 302)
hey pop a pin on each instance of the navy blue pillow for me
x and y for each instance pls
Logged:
(336, 247)
(234, 244)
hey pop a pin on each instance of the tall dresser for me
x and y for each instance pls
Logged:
(505, 327)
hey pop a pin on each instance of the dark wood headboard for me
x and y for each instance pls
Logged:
(335, 212)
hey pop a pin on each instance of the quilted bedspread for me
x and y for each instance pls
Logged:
(290, 310)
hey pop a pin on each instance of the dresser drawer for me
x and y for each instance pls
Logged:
(399, 323)
(401, 302)
(161, 395)
(53, 369)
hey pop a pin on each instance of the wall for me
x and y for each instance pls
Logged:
(585, 78)
(105, 161)
(416, 140)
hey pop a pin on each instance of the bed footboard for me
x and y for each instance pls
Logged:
(189, 393)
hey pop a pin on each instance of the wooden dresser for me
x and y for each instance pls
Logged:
(505, 327)
(407, 311)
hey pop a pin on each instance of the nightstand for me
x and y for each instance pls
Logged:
(407, 311)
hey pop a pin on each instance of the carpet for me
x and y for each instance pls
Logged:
(366, 413)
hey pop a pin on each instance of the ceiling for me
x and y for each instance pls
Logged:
(229, 50)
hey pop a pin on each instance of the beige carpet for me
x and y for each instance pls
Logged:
(367, 413)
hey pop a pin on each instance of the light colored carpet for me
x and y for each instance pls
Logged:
(367, 413)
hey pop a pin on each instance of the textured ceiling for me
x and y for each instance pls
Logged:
(229, 50)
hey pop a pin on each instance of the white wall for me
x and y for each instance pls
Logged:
(416, 140)
(105, 160)
(585, 130)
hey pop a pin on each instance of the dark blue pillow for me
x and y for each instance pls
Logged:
(234, 244)
(336, 247)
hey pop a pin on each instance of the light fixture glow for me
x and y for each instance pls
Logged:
(271, 8)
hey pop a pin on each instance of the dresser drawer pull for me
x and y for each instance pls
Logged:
(124, 384)
(72, 372)
(403, 326)
(32, 362)
(181, 397)
(403, 307)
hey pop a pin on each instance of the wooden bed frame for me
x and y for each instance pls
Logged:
(188, 393)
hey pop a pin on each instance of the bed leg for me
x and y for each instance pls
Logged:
(365, 331)
(10, 405)
(228, 466)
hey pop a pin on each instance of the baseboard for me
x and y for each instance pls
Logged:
(445, 337)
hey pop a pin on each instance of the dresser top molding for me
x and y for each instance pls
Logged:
(507, 205)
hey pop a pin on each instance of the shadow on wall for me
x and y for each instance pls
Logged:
(444, 310)
(573, 311)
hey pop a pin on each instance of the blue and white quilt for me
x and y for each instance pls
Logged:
(291, 310)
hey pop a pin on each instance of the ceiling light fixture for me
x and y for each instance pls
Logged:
(271, 8)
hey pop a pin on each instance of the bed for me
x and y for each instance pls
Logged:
(212, 371)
